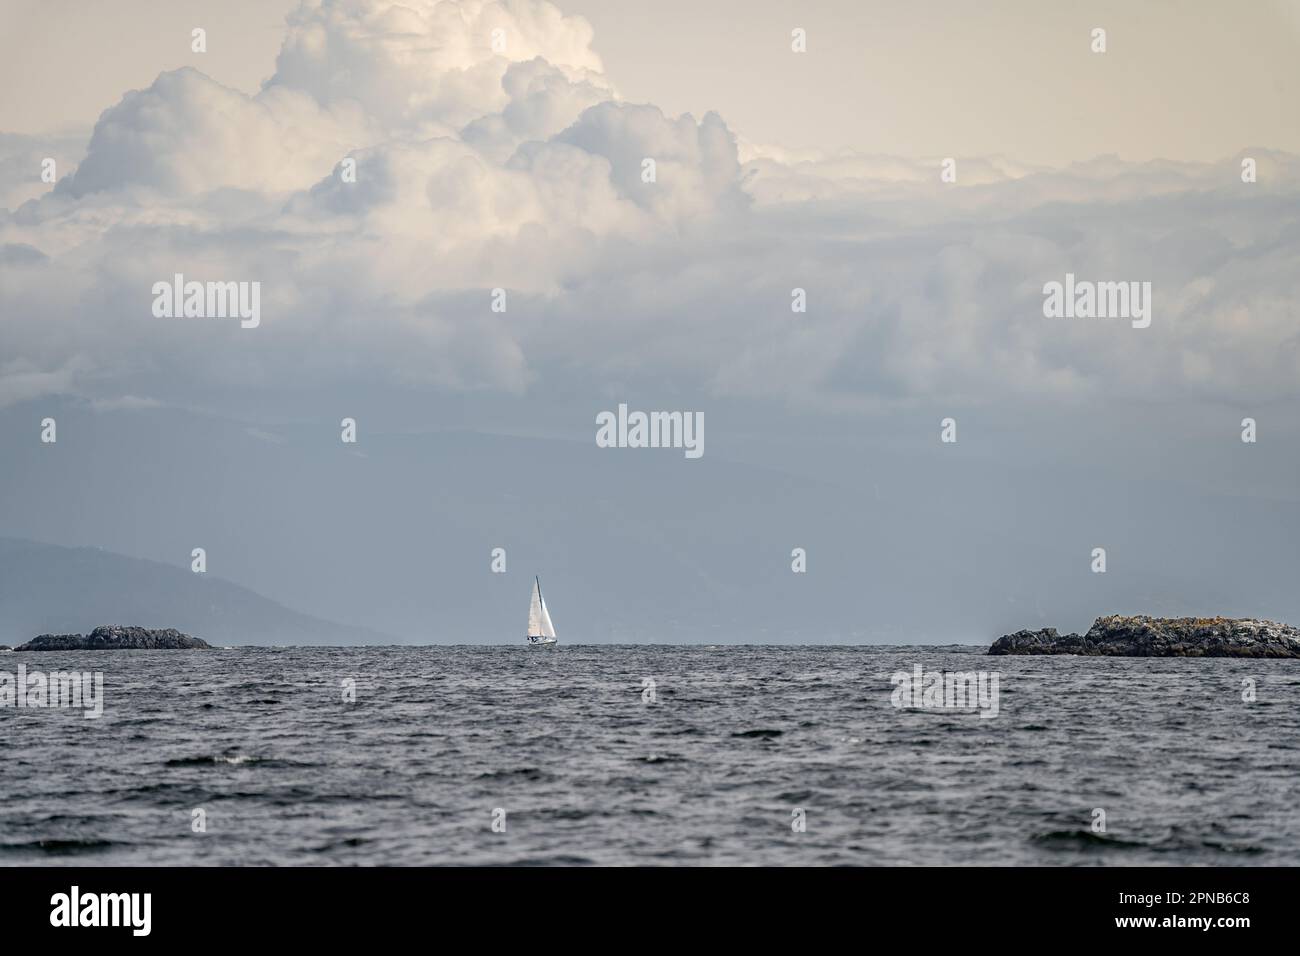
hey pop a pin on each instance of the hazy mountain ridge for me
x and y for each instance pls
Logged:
(46, 589)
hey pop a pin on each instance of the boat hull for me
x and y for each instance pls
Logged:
(542, 642)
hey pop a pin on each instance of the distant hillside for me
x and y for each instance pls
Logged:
(49, 589)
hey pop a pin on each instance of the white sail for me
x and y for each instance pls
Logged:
(535, 611)
(548, 629)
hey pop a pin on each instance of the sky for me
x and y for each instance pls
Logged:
(1193, 80)
(779, 176)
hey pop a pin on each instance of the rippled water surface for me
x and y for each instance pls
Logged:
(709, 773)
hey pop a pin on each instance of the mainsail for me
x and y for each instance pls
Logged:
(539, 618)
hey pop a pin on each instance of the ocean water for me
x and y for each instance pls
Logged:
(736, 742)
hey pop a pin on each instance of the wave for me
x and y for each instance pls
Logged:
(62, 847)
(205, 760)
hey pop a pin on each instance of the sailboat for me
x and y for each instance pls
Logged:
(540, 629)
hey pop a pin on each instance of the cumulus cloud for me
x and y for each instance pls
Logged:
(187, 134)
(22, 163)
(543, 99)
(695, 164)
(426, 65)
(521, 168)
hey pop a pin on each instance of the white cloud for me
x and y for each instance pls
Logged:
(424, 65)
(22, 161)
(524, 171)
(696, 171)
(187, 134)
(543, 100)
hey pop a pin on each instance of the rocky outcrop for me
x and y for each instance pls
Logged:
(117, 639)
(1045, 641)
(1142, 636)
